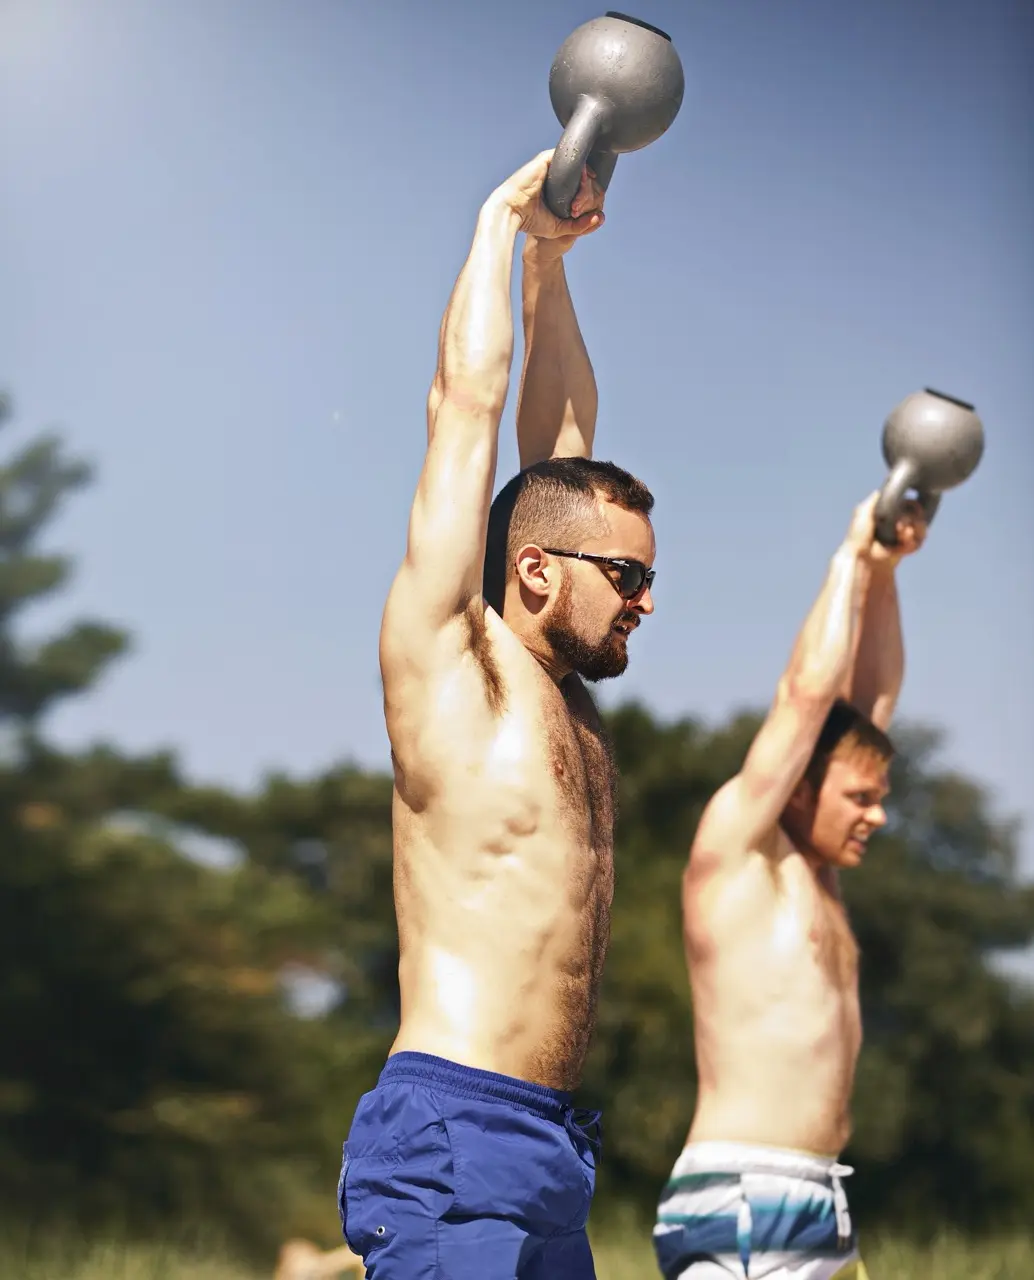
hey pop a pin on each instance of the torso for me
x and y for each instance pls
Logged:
(503, 830)
(774, 971)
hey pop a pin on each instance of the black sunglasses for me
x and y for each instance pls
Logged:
(633, 575)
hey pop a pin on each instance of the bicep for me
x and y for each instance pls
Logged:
(777, 759)
(448, 523)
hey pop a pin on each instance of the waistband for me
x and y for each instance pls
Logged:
(470, 1082)
(740, 1157)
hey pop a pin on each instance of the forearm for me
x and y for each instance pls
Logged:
(475, 345)
(556, 411)
(874, 683)
(825, 650)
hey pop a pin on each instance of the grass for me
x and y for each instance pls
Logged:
(624, 1255)
(948, 1258)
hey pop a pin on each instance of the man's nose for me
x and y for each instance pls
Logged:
(643, 602)
(876, 815)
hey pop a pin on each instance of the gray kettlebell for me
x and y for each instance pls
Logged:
(616, 85)
(931, 442)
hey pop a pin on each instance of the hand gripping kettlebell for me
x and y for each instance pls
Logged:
(616, 85)
(931, 442)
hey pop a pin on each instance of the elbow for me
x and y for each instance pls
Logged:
(477, 397)
(811, 688)
(473, 381)
(817, 676)
(435, 396)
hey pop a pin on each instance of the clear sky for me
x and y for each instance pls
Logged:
(228, 229)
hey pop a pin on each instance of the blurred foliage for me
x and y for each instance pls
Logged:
(944, 1097)
(152, 1069)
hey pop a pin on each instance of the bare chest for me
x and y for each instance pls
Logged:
(580, 763)
(542, 745)
(823, 927)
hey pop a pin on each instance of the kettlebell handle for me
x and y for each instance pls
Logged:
(574, 151)
(891, 502)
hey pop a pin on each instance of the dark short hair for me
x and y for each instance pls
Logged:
(553, 503)
(846, 729)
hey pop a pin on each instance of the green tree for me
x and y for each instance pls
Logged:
(944, 1102)
(148, 1065)
(35, 675)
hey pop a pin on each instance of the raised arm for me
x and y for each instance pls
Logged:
(875, 680)
(556, 409)
(441, 572)
(819, 669)
(440, 577)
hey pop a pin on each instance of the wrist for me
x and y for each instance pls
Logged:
(849, 555)
(497, 215)
(542, 255)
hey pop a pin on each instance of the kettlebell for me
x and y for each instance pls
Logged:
(931, 442)
(616, 85)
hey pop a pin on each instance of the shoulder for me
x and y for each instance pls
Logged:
(444, 698)
(725, 836)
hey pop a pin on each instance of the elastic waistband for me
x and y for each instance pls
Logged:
(741, 1157)
(469, 1082)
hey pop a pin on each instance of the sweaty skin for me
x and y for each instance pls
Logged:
(503, 805)
(772, 959)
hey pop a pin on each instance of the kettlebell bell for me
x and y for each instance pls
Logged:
(616, 85)
(931, 442)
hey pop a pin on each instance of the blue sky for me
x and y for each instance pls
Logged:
(228, 229)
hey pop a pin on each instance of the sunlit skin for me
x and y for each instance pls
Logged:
(833, 828)
(772, 959)
(503, 819)
(579, 594)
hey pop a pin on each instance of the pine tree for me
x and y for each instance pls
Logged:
(149, 1068)
(34, 675)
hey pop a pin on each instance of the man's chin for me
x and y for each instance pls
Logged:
(602, 661)
(607, 665)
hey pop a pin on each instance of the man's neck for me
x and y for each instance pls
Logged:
(540, 650)
(823, 871)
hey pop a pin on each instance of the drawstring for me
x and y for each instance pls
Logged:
(744, 1231)
(837, 1172)
(586, 1126)
(745, 1219)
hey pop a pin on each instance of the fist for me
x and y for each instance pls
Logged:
(910, 532)
(523, 194)
(588, 202)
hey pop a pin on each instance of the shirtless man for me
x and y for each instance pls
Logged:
(467, 1159)
(772, 961)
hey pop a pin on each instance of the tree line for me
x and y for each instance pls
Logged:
(155, 1068)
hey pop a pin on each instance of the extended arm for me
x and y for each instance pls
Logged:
(819, 668)
(874, 683)
(556, 408)
(440, 577)
(445, 550)
(556, 412)
(879, 667)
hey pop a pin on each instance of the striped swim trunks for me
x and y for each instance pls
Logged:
(755, 1213)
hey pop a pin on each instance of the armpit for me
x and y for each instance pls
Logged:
(481, 648)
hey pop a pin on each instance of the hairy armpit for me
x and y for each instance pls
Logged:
(481, 648)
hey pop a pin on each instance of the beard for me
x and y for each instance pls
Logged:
(600, 661)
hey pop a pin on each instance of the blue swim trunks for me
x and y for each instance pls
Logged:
(731, 1211)
(455, 1174)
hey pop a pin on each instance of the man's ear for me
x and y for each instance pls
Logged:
(534, 569)
(802, 798)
